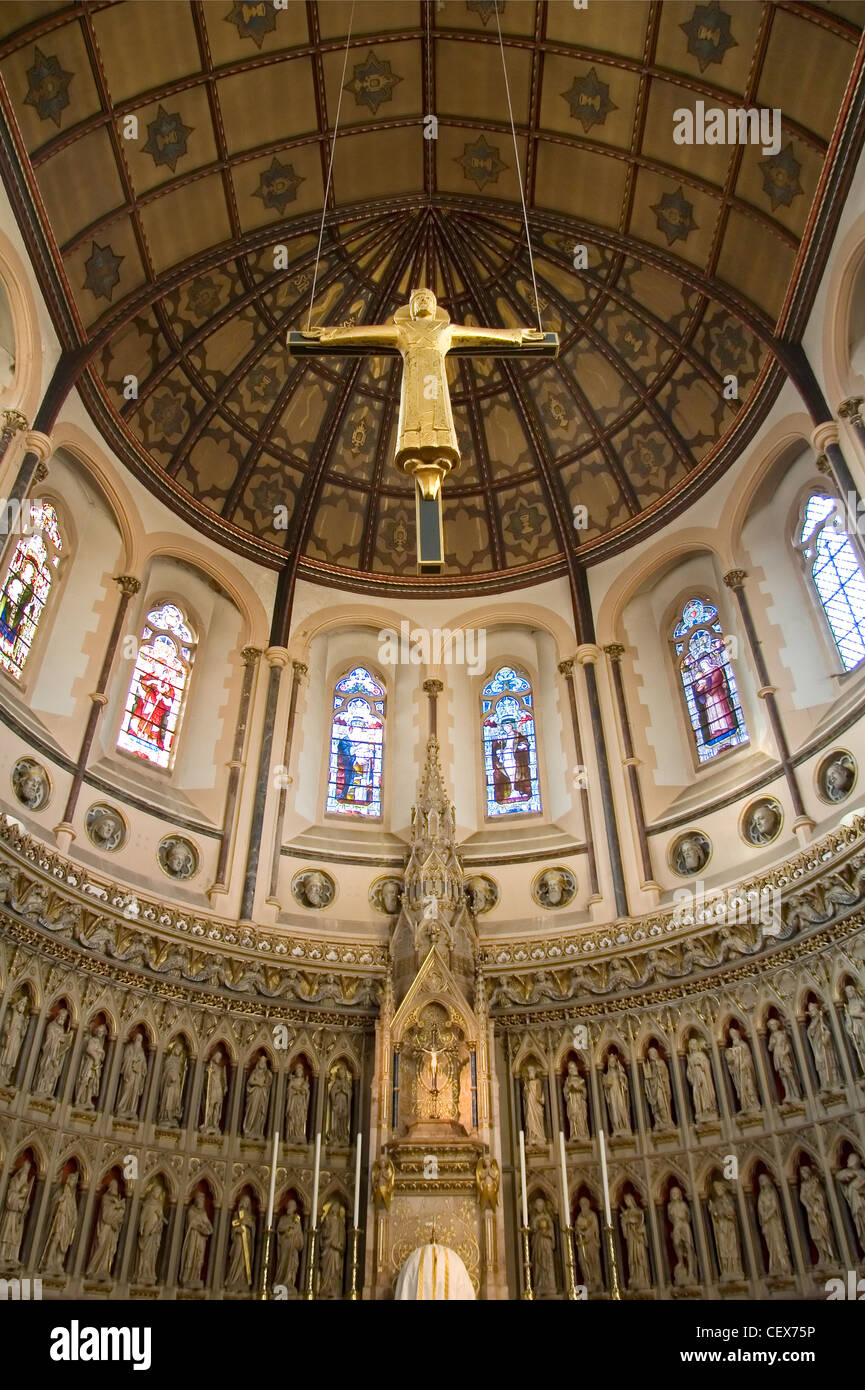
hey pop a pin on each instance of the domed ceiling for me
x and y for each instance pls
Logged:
(168, 165)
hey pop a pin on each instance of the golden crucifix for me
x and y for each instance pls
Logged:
(427, 447)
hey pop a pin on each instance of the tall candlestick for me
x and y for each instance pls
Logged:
(566, 1205)
(607, 1216)
(357, 1184)
(315, 1177)
(270, 1194)
(523, 1178)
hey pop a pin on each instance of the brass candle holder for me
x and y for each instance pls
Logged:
(528, 1291)
(265, 1263)
(309, 1283)
(612, 1262)
(353, 1291)
(570, 1262)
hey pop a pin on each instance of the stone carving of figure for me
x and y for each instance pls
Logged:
(487, 1179)
(588, 1238)
(576, 1104)
(633, 1223)
(108, 1223)
(199, 1228)
(699, 1070)
(543, 1245)
(215, 1087)
(242, 1240)
(679, 1215)
(813, 1199)
(55, 1045)
(133, 1074)
(781, 1052)
(18, 1195)
(722, 1210)
(741, 1065)
(852, 1180)
(854, 1021)
(656, 1080)
(823, 1048)
(339, 1098)
(151, 1220)
(171, 1090)
(533, 1107)
(289, 1244)
(297, 1105)
(772, 1226)
(617, 1091)
(332, 1258)
(13, 1038)
(90, 1071)
(257, 1097)
(64, 1219)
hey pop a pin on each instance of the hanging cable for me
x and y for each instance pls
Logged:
(330, 166)
(519, 170)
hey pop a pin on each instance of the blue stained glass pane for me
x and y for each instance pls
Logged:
(837, 576)
(510, 747)
(709, 683)
(356, 746)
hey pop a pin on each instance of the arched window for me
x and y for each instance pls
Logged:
(834, 573)
(510, 748)
(28, 582)
(356, 746)
(157, 692)
(708, 681)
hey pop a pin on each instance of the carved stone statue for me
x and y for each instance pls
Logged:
(576, 1103)
(199, 1228)
(781, 1052)
(852, 1180)
(722, 1210)
(679, 1216)
(171, 1091)
(151, 1221)
(656, 1082)
(339, 1095)
(241, 1247)
(108, 1224)
(587, 1233)
(64, 1219)
(14, 1032)
(699, 1071)
(297, 1105)
(332, 1257)
(133, 1074)
(543, 1240)
(533, 1108)
(823, 1048)
(854, 1021)
(813, 1199)
(90, 1070)
(215, 1086)
(633, 1223)
(18, 1195)
(772, 1225)
(617, 1092)
(741, 1065)
(257, 1098)
(289, 1245)
(55, 1045)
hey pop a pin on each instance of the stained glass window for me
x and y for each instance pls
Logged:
(27, 584)
(356, 746)
(157, 692)
(510, 747)
(708, 681)
(835, 573)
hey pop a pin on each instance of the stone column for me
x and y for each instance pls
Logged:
(277, 658)
(587, 654)
(615, 651)
(433, 689)
(13, 422)
(298, 673)
(249, 656)
(38, 448)
(566, 669)
(64, 831)
(803, 824)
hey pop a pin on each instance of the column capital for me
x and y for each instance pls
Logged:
(824, 434)
(588, 653)
(823, 465)
(300, 670)
(566, 667)
(249, 655)
(735, 579)
(433, 688)
(39, 444)
(14, 421)
(128, 584)
(615, 651)
(851, 408)
(41, 472)
(277, 656)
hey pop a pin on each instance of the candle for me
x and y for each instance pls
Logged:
(315, 1180)
(272, 1181)
(566, 1205)
(607, 1216)
(357, 1184)
(523, 1178)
